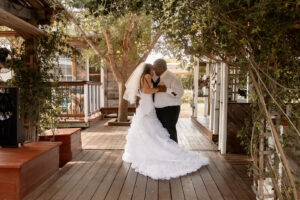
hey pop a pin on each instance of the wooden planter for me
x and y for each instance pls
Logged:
(23, 169)
(71, 143)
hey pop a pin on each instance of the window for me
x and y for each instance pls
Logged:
(65, 65)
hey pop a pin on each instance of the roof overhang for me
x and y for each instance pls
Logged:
(23, 28)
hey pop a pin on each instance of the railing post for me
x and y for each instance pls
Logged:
(224, 105)
(86, 103)
(217, 100)
(102, 92)
(94, 98)
(98, 97)
(196, 78)
(206, 92)
(90, 98)
(212, 96)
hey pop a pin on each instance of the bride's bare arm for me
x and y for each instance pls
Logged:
(146, 85)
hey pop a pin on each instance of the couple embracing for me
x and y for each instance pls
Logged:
(152, 138)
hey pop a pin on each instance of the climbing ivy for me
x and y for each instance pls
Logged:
(39, 98)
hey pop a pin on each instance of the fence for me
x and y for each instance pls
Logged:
(81, 100)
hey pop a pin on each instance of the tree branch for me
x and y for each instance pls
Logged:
(149, 48)
(130, 28)
(274, 133)
(70, 17)
(110, 51)
(128, 32)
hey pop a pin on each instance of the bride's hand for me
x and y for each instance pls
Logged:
(162, 88)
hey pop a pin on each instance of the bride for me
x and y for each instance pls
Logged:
(149, 147)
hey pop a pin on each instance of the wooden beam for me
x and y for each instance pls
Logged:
(21, 11)
(8, 33)
(25, 29)
(74, 66)
(36, 4)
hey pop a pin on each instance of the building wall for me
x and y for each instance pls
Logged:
(81, 69)
(111, 90)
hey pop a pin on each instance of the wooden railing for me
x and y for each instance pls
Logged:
(81, 100)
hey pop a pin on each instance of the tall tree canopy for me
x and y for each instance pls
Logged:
(126, 32)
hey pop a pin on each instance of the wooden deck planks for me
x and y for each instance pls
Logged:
(152, 189)
(105, 185)
(188, 187)
(78, 176)
(199, 186)
(220, 182)
(140, 187)
(39, 190)
(117, 185)
(100, 173)
(93, 177)
(164, 189)
(230, 175)
(210, 185)
(176, 189)
(128, 186)
(54, 188)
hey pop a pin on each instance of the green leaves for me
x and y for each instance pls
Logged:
(38, 102)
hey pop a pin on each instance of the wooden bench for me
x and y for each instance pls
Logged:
(23, 169)
(71, 143)
(114, 110)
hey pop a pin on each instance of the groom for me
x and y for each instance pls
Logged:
(168, 100)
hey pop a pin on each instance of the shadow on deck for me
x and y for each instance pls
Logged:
(99, 173)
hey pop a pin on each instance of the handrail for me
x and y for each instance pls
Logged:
(77, 83)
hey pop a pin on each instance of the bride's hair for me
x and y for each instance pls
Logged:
(147, 69)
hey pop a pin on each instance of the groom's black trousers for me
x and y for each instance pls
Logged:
(168, 116)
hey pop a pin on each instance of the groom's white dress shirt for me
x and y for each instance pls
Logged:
(173, 84)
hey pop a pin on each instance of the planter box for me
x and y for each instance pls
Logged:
(23, 169)
(71, 143)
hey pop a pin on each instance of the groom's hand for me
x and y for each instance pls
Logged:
(162, 88)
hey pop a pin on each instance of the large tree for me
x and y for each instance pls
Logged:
(121, 33)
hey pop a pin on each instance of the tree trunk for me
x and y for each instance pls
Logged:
(123, 104)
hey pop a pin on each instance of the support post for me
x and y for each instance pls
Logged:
(224, 105)
(221, 112)
(206, 92)
(212, 97)
(196, 78)
(90, 98)
(94, 97)
(98, 97)
(86, 103)
(217, 100)
(74, 67)
(102, 88)
(87, 65)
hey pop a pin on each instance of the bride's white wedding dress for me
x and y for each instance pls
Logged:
(151, 151)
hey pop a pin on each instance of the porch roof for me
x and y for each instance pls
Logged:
(24, 16)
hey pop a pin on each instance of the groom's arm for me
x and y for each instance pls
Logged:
(176, 88)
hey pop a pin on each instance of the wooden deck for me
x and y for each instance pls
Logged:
(99, 173)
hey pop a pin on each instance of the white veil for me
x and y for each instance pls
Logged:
(133, 84)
